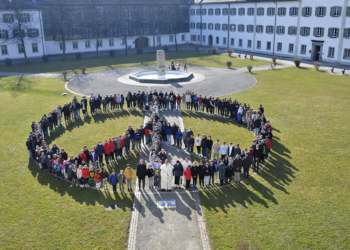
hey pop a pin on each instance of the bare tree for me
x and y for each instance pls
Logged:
(176, 22)
(97, 25)
(123, 25)
(20, 25)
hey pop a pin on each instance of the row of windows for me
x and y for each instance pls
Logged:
(9, 18)
(280, 30)
(4, 34)
(4, 50)
(320, 11)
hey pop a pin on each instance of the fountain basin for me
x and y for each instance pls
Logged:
(153, 77)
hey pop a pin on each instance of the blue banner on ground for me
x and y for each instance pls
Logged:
(169, 203)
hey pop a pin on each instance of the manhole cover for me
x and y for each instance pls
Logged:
(112, 206)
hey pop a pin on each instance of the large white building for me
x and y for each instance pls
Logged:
(311, 29)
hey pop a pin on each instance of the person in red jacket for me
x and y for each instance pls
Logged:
(98, 179)
(83, 155)
(268, 145)
(188, 176)
(122, 144)
(178, 102)
(111, 148)
(85, 174)
(107, 151)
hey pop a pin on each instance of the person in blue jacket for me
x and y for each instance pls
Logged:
(113, 178)
(195, 103)
(179, 136)
(100, 152)
(168, 132)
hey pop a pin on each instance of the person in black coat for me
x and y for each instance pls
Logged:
(178, 173)
(174, 130)
(212, 170)
(201, 173)
(194, 173)
(141, 173)
(257, 152)
(228, 173)
(209, 147)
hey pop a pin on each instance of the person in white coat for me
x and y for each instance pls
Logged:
(185, 164)
(198, 143)
(188, 101)
(166, 173)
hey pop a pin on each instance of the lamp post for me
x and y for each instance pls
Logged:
(274, 31)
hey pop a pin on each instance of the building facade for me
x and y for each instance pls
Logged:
(310, 29)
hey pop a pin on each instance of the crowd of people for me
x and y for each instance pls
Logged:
(218, 162)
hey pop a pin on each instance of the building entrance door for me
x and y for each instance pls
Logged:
(316, 54)
(210, 40)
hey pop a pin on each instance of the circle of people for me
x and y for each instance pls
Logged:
(225, 165)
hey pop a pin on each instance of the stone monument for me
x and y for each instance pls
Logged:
(161, 71)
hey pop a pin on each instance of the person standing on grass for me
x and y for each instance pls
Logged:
(121, 180)
(98, 179)
(237, 168)
(104, 177)
(212, 171)
(129, 173)
(198, 142)
(222, 172)
(57, 167)
(201, 173)
(92, 177)
(85, 173)
(188, 101)
(223, 150)
(206, 175)
(141, 173)
(204, 146)
(209, 147)
(195, 103)
(106, 151)
(113, 178)
(246, 163)
(74, 176)
(100, 152)
(216, 150)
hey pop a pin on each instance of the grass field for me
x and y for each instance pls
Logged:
(37, 211)
(300, 201)
(192, 58)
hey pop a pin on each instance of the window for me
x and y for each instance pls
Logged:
(258, 44)
(198, 26)
(224, 27)
(217, 11)
(217, 40)
(25, 17)
(224, 41)
(233, 11)
(336, 11)
(250, 28)
(210, 26)
(331, 52)
(111, 42)
(249, 43)
(171, 38)
(279, 46)
(61, 46)
(293, 11)
(268, 46)
(250, 12)
(4, 50)
(270, 11)
(33, 32)
(193, 25)
(16, 34)
(240, 43)
(87, 44)
(333, 32)
(318, 32)
(203, 39)
(280, 30)
(199, 38)
(99, 43)
(321, 11)
(241, 28)
(292, 30)
(232, 42)
(4, 34)
(122, 41)
(35, 47)
(348, 11)
(232, 27)
(198, 12)
(259, 29)
(204, 12)
(217, 26)
(192, 12)
(8, 18)
(225, 11)
(346, 53)
(159, 39)
(75, 45)
(20, 49)
(307, 11)
(282, 11)
(183, 38)
(347, 33)
(269, 29)
(241, 11)
(260, 11)
(291, 48)
(193, 38)
(303, 49)
(305, 31)
(204, 26)
(210, 12)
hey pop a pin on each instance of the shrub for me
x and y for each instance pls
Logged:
(297, 61)
(83, 69)
(111, 53)
(64, 73)
(8, 62)
(139, 50)
(166, 48)
(274, 59)
(229, 51)
(78, 56)
(45, 58)
(214, 49)
(317, 65)
(251, 56)
(250, 67)
(228, 64)
(196, 47)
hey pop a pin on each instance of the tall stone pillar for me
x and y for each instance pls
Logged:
(161, 63)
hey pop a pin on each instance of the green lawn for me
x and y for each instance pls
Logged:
(36, 210)
(192, 58)
(300, 201)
